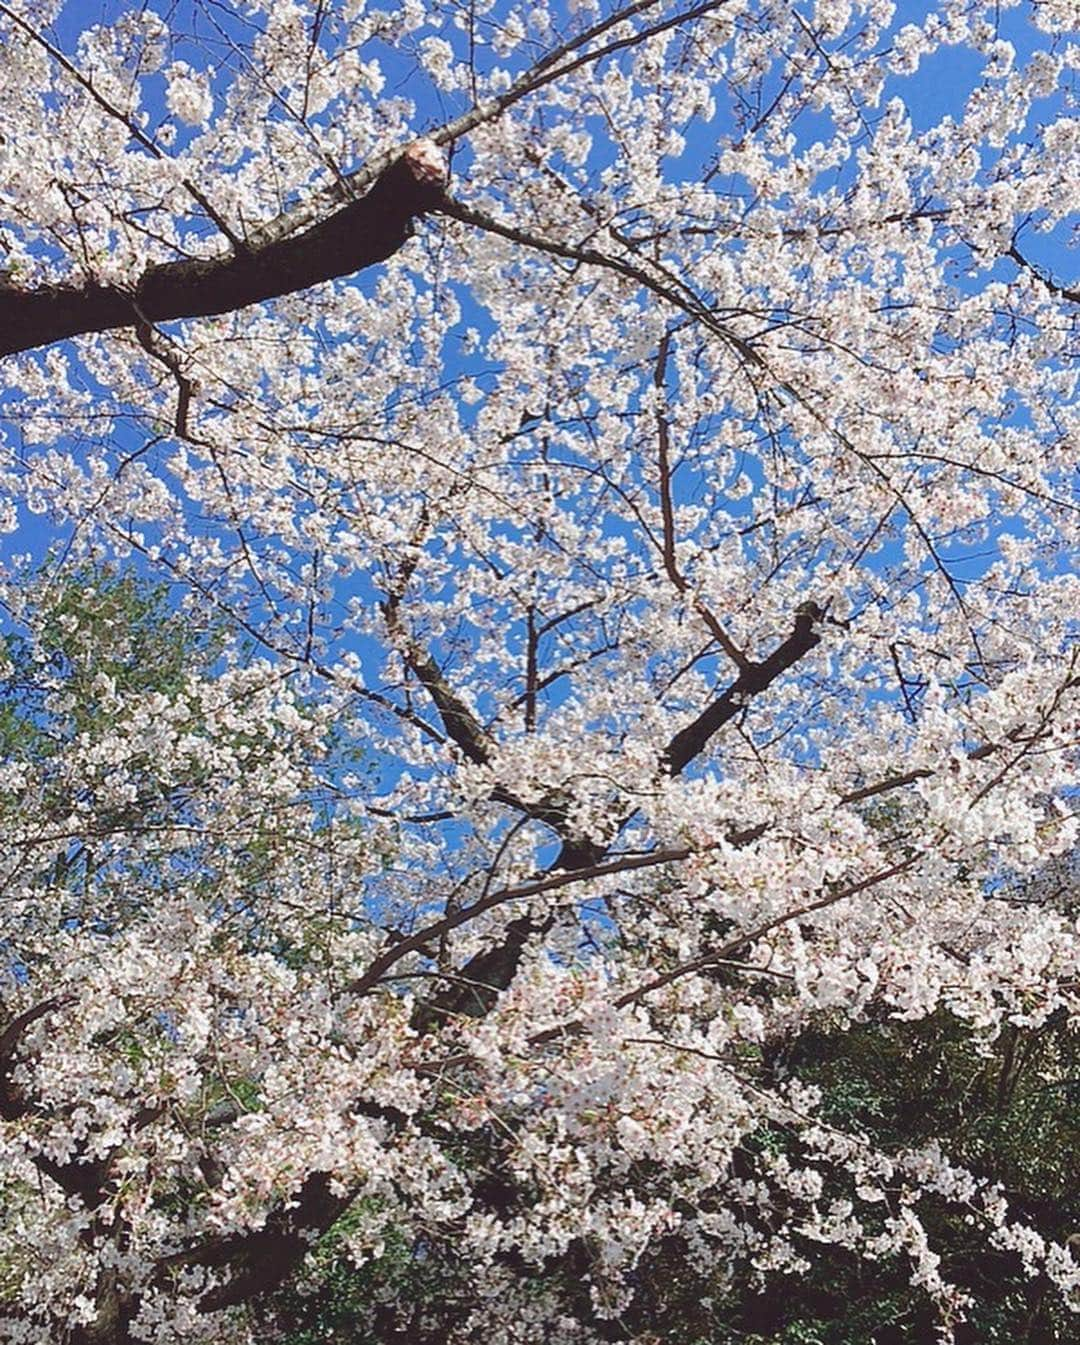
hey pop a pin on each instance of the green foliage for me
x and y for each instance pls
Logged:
(82, 632)
(1007, 1109)
(337, 1302)
(82, 642)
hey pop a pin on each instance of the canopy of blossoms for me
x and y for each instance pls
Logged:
(630, 456)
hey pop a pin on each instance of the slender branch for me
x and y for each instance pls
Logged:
(1021, 733)
(132, 127)
(549, 882)
(725, 952)
(373, 210)
(751, 936)
(548, 68)
(888, 783)
(159, 351)
(459, 721)
(531, 674)
(1062, 291)
(678, 295)
(667, 513)
(555, 65)
(581, 857)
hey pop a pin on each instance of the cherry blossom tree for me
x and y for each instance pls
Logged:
(625, 455)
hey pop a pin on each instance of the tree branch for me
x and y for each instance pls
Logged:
(1062, 291)
(667, 512)
(753, 679)
(668, 288)
(358, 235)
(12, 1102)
(581, 857)
(548, 882)
(295, 250)
(262, 1259)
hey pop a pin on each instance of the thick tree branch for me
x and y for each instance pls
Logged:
(458, 720)
(492, 969)
(753, 679)
(296, 249)
(581, 857)
(562, 60)
(360, 234)
(548, 882)
(463, 728)
(262, 1260)
(12, 1102)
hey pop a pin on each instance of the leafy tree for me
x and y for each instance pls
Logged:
(611, 731)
